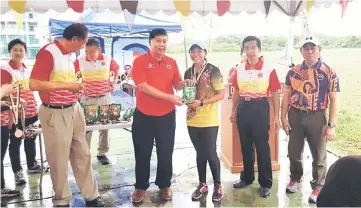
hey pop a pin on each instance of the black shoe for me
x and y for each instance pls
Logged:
(265, 192)
(3, 204)
(241, 184)
(103, 160)
(97, 202)
(217, 193)
(201, 189)
(66, 205)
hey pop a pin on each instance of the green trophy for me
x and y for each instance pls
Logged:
(189, 93)
(128, 114)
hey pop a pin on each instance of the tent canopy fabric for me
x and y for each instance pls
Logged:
(110, 24)
(202, 7)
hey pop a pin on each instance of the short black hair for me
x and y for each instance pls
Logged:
(157, 32)
(75, 30)
(128, 65)
(251, 38)
(93, 42)
(16, 41)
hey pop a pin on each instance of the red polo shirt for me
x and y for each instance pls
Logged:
(162, 75)
(274, 84)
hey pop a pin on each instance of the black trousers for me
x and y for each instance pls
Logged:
(253, 126)
(144, 130)
(29, 147)
(4, 146)
(204, 140)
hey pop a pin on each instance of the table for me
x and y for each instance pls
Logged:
(123, 125)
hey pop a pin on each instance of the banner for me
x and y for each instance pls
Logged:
(76, 5)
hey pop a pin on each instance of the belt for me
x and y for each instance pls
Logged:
(252, 99)
(303, 111)
(58, 106)
(99, 96)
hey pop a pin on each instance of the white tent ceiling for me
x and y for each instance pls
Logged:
(202, 7)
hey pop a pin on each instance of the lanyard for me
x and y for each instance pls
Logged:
(194, 76)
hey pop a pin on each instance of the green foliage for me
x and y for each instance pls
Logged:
(232, 43)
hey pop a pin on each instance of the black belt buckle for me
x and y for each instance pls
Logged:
(57, 107)
(247, 98)
(305, 111)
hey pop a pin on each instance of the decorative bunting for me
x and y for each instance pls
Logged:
(129, 10)
(267, 6)
(223, 6)
(343, 4)
(183, 6)
(18, 9)
(309, 5)
(76, 5)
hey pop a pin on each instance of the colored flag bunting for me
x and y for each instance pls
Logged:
(129, 15)
(309, 5)
(343, 4)
(183, 6)
(18, 9)
(267, 6)
(223, 6)
(76, 5)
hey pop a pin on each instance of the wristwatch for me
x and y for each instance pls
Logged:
(201, 102)
(331, 125)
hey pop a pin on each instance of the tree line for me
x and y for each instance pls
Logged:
(232, 43)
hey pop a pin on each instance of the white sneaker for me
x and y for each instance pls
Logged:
(314, 195)
(293, 187)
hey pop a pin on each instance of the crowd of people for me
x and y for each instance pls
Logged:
(310, 87)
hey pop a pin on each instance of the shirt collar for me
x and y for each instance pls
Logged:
(153, 59)
(63, 50)
(100, 57)
(257, 67)
(317, 65)
(14, 66)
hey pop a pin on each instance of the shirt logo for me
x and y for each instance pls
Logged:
(103, 63)
(150, 66)
(260, 75)
(320, 76)
(169, 66)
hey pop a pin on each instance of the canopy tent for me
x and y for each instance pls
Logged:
(110, 24)
(202, 7)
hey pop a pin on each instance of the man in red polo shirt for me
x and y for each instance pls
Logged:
(62, 118)
(254, 82)
(95, 69)
(154, 118)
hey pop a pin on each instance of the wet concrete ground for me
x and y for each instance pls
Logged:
(116, 180)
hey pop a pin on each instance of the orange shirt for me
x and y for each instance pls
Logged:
(162, 75)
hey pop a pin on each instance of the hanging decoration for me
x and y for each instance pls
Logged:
(183, 6)
(129, 9)
(343, 4)
(267, 6)
(18, 9)
(309, 5)
(223, 6)
(76, 5)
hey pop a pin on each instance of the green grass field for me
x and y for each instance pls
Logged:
(346, 62)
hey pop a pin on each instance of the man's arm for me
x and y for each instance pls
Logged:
(39, 78)
(334, 102)
(177, 79)
(275, 96)
(285, 102)
(139, 76)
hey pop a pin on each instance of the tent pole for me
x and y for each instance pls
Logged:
(185, 48)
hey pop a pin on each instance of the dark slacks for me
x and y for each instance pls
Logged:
(146, 129)
(253, 126)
